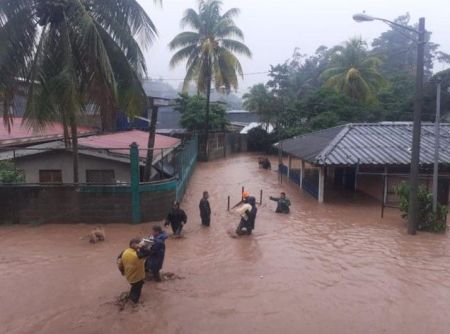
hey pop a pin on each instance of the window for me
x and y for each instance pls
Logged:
(50, 176)
(100, 176)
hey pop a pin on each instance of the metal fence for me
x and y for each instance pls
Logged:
(186, 159)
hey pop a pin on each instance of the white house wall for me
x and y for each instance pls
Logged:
(63, 161)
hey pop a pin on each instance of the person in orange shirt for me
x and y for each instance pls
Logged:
(131, 264)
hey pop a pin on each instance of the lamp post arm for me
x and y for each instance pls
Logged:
(391, 23)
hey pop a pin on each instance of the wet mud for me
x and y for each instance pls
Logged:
(331, 268)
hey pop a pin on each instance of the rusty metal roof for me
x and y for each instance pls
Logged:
(21, 134)
(385, 143)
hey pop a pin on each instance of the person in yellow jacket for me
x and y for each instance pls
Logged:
(131, 263)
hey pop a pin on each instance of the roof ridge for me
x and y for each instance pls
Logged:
(317, 131)
(327, 150)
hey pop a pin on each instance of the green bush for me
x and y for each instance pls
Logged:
(428, 220)
(8, 174)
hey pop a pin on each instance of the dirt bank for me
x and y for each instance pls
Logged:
(333, 268)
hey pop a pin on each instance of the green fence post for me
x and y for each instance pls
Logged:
(134, 171)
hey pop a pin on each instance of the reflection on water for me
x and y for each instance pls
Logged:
(331, 268)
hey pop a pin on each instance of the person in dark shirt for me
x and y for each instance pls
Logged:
(283, 203)
(176, 219)
(247, 223)
(265, 163)
(205, 209)
(156, 252)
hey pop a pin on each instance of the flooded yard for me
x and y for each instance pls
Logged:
(324, 268)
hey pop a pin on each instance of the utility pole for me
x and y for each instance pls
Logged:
(413, 212)
(436, 145)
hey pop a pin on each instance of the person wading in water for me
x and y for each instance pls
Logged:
(176, 219)
(131, 263)
(156, 252)
(283, 203)
(205, 209)
(248, 215)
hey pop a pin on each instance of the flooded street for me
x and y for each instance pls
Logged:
(324, 268)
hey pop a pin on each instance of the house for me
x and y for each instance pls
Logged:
(20, 134)
(370, 158)
(103, 159)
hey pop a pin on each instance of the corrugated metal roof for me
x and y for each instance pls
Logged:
(113, 146)
(368, 143)
(20, 133)
(124, 139)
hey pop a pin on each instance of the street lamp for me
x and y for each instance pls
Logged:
(415, 147)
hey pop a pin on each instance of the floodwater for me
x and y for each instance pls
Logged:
(331, 268)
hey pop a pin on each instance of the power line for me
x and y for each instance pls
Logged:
(182, 79)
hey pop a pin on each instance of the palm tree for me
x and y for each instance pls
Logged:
(74, 55)
(210, 49)
(354, 71)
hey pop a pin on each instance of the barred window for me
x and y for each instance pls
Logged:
(100, 176)
(50, 176)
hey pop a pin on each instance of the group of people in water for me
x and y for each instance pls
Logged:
(144, 258)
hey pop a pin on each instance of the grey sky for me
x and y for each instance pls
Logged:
(274, 28)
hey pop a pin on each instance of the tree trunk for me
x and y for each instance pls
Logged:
(108, 116)
(151, 144)
(66, 131)
(208, 96)
(74, 138)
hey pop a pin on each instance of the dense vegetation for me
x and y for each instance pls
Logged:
(193, 112)
(429, 220)
(351, 82)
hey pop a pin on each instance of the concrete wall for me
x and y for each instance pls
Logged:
(224, 144)
(63, 160)
(85, 204)
(156, 204)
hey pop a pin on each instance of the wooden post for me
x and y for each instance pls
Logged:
(135, 196)
(242, 193)
(384, 195)
(321, 184)
(228, 206)
(260, 197)
(289, 167)
(302, 174)
(162, 163)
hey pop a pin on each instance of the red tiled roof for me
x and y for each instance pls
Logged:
(21, 133)
(125, 139)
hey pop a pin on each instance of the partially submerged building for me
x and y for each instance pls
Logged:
(103, 159)
(372, 158)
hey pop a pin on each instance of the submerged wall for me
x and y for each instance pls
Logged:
(59, 204)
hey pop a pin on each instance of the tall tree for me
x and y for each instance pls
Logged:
(261, 101)
(354, 72)
(210, 51)
(397, 48)
(74, 55)
(192, 110)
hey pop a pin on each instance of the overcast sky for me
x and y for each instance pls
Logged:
(273, 28)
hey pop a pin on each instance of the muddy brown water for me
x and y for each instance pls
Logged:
(332, 268)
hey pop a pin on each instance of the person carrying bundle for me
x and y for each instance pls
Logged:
(248, 215)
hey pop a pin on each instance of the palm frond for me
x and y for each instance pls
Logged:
(183, 39)
(236, 46)
(130, 13)
(231, 13)
(182, 55)
(191, 19)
